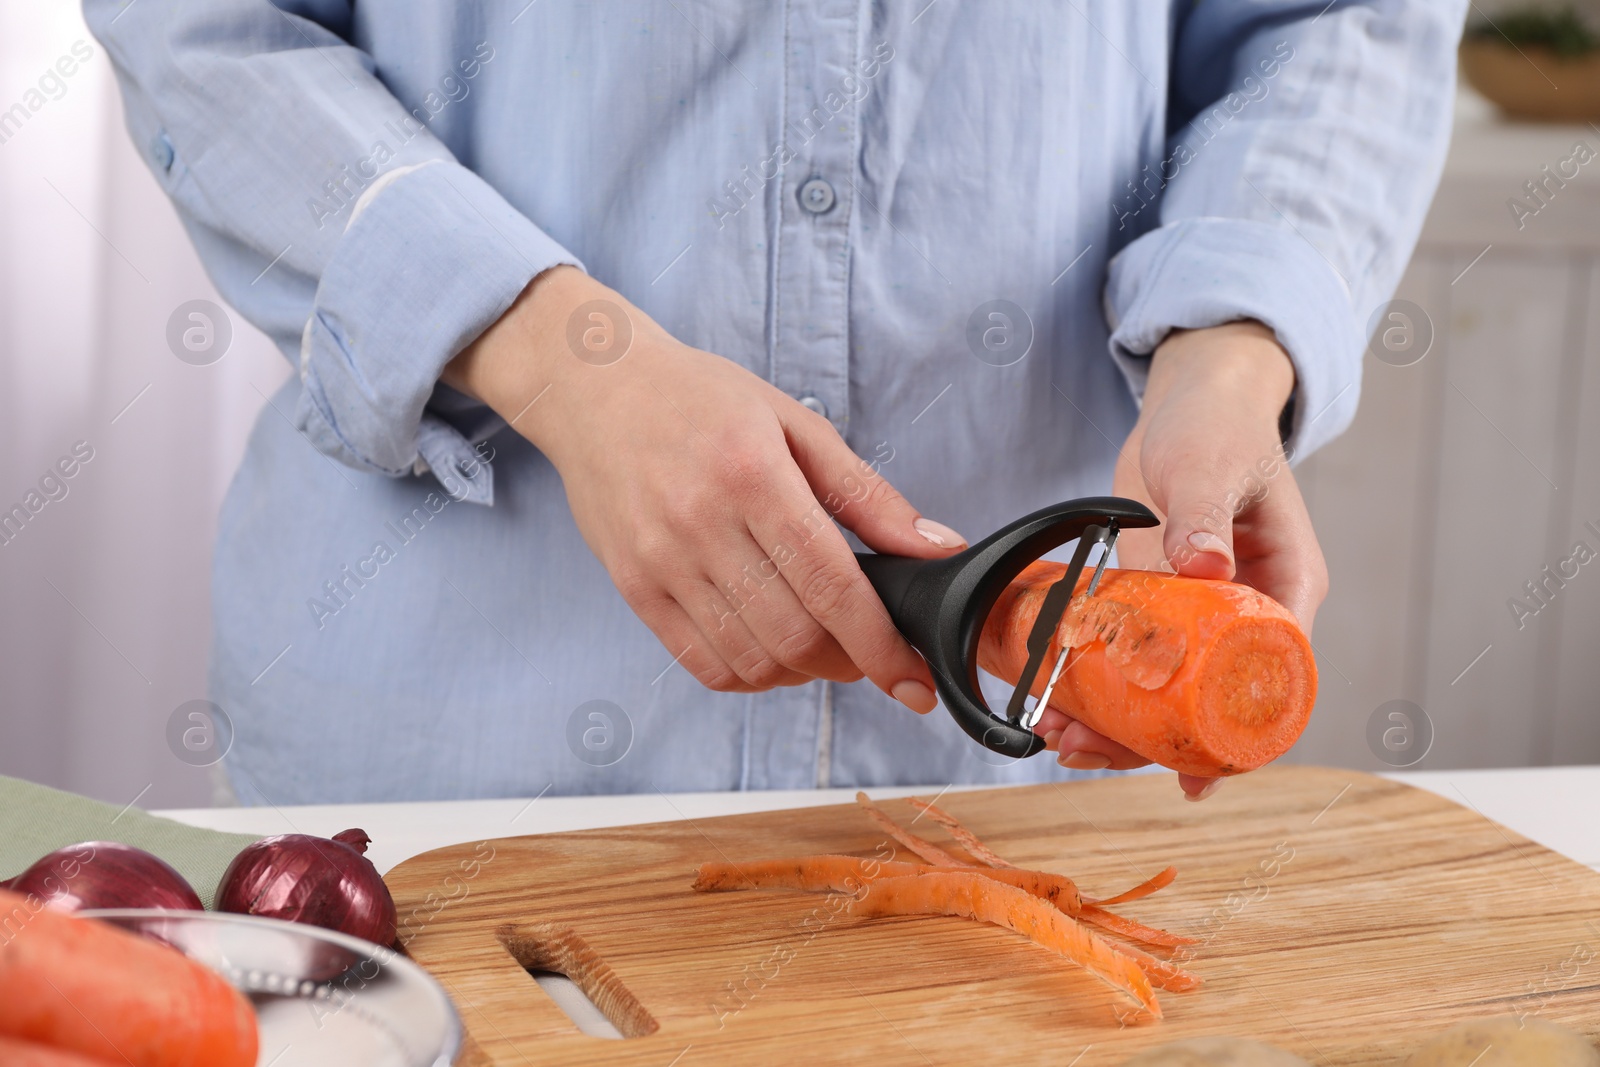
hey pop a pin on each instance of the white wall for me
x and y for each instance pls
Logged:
(1469, 472)
(105, 624)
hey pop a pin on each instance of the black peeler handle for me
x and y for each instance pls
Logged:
(940, 605)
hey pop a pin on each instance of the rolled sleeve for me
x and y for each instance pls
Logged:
(331, 216)
(1304, 144)
(422, 271)
(1208, 271)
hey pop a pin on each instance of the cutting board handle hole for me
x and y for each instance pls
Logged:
(580, 983)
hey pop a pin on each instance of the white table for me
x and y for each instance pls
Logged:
(1554, 806)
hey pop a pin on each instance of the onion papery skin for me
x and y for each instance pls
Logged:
(105, 874)
(313, 880)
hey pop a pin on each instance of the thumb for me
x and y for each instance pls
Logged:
(855, 492)
(1198, 540)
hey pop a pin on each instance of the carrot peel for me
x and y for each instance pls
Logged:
(974, 895)
(967, 839)
(926, 849)
(1044, 907)
(1095, 915)
(1143, 889)
(849, 874)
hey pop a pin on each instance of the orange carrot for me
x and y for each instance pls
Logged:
(15, 1053)
(975, 895)
(967, 839)
(926, 849)
(1158, 881)
(1205, 677)
(85, 986)
(849, 874)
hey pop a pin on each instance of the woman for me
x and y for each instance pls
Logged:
(610, 320)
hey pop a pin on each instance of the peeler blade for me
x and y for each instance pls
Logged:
(1051, 612)
(941, 605)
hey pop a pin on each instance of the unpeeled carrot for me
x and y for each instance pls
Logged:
(14, 1053)
(88, 987)
(1206, 677)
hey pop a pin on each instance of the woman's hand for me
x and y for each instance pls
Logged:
(708, 494)
(1206, 456)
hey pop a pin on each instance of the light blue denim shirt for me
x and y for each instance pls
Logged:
(403, 605)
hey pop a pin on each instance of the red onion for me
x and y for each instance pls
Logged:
(311, 880)
(105, 874)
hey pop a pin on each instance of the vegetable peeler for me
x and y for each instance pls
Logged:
(940, 606)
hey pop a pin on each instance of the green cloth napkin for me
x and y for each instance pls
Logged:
(35, 820)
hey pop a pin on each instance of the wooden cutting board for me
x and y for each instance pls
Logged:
(1341, 916)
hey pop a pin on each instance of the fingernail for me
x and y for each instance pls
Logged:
(1052, 740)
(1206, 541)
(938, 534)
(914, 695)
(1216, 783)
(1085, 761)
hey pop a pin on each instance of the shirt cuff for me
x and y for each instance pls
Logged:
(423, 270)
(1208, 271)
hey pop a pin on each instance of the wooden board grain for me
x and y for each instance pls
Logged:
(1341, 916)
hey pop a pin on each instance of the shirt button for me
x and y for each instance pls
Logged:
(161, 151)
(814, 403)
(816, 196)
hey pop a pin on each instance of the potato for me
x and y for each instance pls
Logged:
(1510, 1043)
(1216, 1052)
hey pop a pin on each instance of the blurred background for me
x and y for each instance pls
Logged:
(1460, 514)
